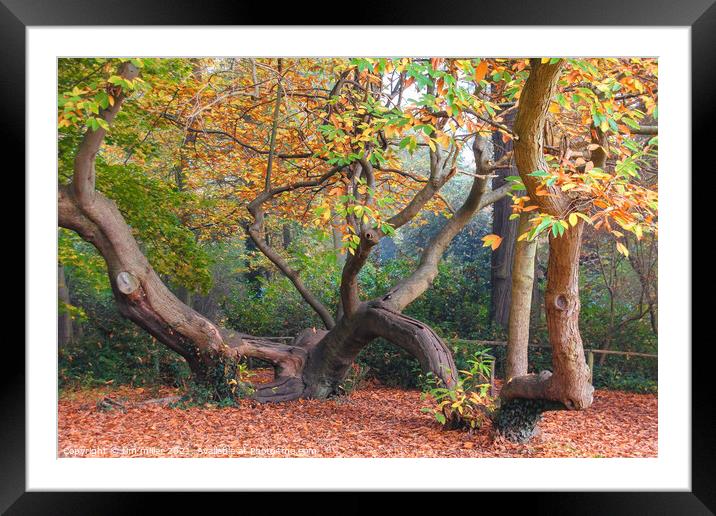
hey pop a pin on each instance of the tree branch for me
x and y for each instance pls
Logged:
(256, 231)
(84, 167)
(414, 285)
(295, 155)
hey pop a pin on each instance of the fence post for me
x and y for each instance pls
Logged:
(590, 363)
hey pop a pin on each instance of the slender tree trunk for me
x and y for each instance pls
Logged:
(609, 336)
(64, 319)
(522, 289)
(502, 258)
(287, 237)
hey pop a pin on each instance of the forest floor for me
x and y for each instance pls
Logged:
(374, 421)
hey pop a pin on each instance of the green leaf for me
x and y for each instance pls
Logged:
(539, 173)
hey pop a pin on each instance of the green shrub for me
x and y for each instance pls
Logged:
(468, 404)
(634, 381)
(126, 357)
(390, 364)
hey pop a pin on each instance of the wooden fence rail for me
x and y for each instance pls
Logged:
(589, 351)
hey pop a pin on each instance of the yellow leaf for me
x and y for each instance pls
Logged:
(573, 219)
(584, 217)
(622, 249)
(444, 140)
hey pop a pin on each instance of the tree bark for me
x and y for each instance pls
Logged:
(329, 355)
(519, 320)
(569, 383)
(502, 259)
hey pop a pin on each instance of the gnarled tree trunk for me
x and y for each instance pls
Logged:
(329, 354)
(569, 383)
(312, 366)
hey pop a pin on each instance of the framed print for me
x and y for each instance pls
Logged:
(317, 258)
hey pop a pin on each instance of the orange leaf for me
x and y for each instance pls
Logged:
(481, 71)
(492, 241)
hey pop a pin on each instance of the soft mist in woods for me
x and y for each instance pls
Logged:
(470, 243)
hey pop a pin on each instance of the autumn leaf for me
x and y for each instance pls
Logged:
(622, 249)
(481, 71)
(492, 241)
(626, 426)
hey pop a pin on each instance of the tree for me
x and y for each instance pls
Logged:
(317, 360)
(562, 194)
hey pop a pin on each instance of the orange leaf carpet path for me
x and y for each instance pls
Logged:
(375, 421)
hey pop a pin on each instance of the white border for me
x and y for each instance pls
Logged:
(671, 470)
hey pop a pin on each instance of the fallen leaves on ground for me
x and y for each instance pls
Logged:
(376, 421)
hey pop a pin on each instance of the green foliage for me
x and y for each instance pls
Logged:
(124, 355)
(151, 207)
(615, 377)
(82, 262)
(264, 302)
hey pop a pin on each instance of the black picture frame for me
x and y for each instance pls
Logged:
(700, 15)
